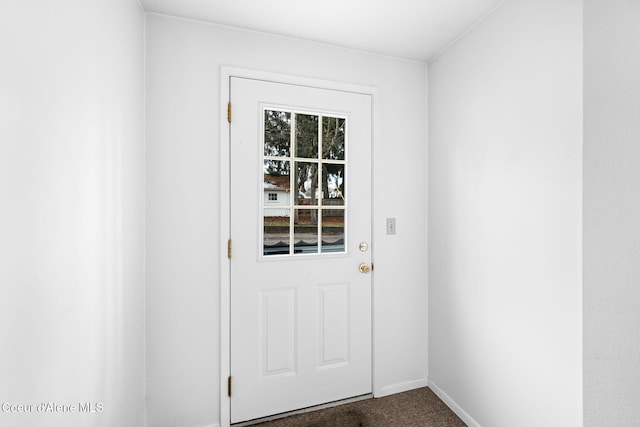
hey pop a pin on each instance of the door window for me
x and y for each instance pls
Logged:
(304, 185)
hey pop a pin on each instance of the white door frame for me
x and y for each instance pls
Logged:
(225, 219)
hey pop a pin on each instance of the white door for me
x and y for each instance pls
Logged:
(301, 235)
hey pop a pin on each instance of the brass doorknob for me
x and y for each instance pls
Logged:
(364, 268)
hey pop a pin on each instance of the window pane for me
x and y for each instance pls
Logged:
(306, 183)
(333, 230)
(306, 136)
(305, 226)
(277, 133)
(333, 131)
(333, 185)
(276, 231)
(276, 184)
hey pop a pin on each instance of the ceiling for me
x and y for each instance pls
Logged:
(413, 29)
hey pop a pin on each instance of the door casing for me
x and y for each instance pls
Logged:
(225, 218)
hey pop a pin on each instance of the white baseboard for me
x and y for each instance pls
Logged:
(400, 387)
(469, 421)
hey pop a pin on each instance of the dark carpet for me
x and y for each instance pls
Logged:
(420, 407)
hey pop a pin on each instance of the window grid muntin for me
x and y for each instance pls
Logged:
(293, 161)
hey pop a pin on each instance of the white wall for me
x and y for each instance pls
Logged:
(611, 213)
(183, 205)
(71, 210)
(505, 194)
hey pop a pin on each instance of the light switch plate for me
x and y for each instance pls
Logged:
(391, 226)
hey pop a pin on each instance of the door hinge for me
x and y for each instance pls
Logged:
(229, 112)
(229, 248)
(229, 386)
